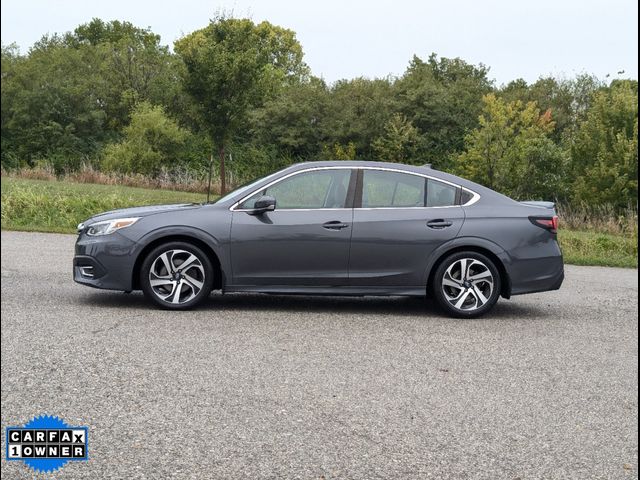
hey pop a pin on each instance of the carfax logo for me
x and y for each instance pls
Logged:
(46, 443)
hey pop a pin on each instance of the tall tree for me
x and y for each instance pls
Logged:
(74, 92)
(511, 151)
(359, 110)
(132, 67)
(605, 149)
(10, 61)
(232, 65)
(55, 113)
(296, 121)
(442, 98)
(566, 99)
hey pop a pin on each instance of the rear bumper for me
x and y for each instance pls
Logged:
(537, 275)
(545, 284)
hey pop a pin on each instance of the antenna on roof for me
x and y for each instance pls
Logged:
(427, 165)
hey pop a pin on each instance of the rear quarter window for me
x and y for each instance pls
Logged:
(465, 197)
(441, 194)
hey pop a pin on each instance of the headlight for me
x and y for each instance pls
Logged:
(110, 226)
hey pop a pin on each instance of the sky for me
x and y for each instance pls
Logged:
(347, 39)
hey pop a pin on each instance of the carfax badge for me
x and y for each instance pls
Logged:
(47, 443)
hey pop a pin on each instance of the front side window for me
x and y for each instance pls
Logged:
(308, 190)
(392, 189)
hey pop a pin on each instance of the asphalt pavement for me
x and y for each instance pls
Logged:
(256, 386)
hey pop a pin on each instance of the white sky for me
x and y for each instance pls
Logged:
(346, 39)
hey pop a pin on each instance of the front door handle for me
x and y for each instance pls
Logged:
(439, 223)
(335, 225)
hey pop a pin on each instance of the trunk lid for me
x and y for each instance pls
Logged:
(539, 204)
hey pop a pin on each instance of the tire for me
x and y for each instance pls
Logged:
(470, 295)
(169, 285)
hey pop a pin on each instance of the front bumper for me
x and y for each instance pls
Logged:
(105, 262)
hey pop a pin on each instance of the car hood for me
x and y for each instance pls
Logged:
(141, 211)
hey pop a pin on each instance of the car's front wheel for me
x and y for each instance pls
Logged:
(176, 276)
(466, 284)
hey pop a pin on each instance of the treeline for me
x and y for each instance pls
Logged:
(110, 95)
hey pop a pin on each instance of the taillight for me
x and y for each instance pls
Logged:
(548, 223)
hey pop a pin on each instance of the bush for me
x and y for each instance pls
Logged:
(151, 141)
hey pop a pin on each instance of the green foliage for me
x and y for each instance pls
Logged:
(151, 141)
(511, 151)
(338, 151)
(566, 100)
(442, 98)
(98, 32)
(358, 111)
(295, 121)
(306, 118)
(594, 248)
(50, 106)
(233, 64)
(131, 66)
(605, 149)
(399, 143)
(9, 61)
(73, 94)
(539, 170)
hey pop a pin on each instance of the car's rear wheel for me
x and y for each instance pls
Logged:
(176, 276)
(466, 284)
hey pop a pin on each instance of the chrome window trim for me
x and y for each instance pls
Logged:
(475, 196)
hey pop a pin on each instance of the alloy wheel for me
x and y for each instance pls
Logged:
(467, 284)
(176, 276)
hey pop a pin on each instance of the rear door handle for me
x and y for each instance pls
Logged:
(439, 223)
(335, 225)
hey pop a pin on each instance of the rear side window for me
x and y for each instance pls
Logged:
(392, 189)
(441, 194)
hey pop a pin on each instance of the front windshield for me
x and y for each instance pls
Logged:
(244, 188)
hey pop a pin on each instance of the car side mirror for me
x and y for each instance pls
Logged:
(264, 204)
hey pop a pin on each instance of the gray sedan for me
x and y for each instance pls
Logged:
(331, 228)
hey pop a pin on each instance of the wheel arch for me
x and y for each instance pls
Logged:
(218, 282)
(490, 250)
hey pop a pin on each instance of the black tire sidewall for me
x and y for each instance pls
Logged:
(153, 254)
(439, 295)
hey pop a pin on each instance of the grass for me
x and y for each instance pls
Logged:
(596, 248)
(58, 206)
(54, 206)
